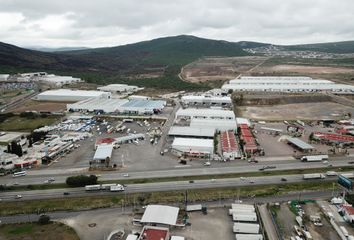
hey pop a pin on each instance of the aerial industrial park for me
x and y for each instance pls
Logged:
(198, 140)
(159, 120)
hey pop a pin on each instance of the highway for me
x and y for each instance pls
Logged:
(128, 209)
(39, 176)
(155, 187)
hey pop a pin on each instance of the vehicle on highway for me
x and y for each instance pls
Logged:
(19, 174)
(18, 196)
(66, 193)
(314, 158)
(191, 181)
(51, 179)
(314, 176)
(207, 164)
(242, 178)
(251, 181)
(284, 179)
(126, 175)
(351, 162)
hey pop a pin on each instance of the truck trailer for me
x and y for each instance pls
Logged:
(314, 176)
(249, 237)
(249, 217)
(314, 158)
(246, 228)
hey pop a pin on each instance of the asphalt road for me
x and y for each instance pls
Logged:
(315, 195)
(155, 187)
(39, 176)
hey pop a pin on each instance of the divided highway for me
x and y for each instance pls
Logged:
(39, 176)
(155, 187)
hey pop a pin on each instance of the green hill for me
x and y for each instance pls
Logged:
(332, 47)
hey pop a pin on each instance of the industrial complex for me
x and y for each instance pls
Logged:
(285, 84)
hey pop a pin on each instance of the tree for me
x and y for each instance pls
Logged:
(81, 180)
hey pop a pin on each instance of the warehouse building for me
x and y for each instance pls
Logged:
(229, 145)
(193, 147)
(300, 145)
(119, 88)
(216, 124)
(139, 107)
(193, 100)
(192, 113)
(68, 95)
(286, 84)
(107, 105)
(122, 106)
(193, 132)
(4, 77)
(56, 81)
(249, 142)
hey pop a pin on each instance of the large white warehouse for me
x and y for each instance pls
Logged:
(215, 124)
(68, 95)
(57, 81)
(177, 131)
(193, 147)
(107, 105)
(119, 88)
(191, 113)
(285, 84)
(206, 100)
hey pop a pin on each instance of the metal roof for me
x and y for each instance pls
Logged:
(69, 92)
(130, 137)
(217, 124)
(193, 142)
(144, 104)
(160, 214)
(206, 113)
(103, 151)
(191, 131)
(300, 144)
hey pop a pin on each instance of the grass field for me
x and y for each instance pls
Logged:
(34, 231)
(17, 123)
(83, 203)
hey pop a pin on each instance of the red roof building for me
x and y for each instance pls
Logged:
(250, 145)
(229, 145)
(332, 137)
(154, 233)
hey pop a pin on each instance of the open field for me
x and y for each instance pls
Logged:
(31, 105)
(286, 68)
(17, 123)
(34, 231)
(219, 68)
(302, 111)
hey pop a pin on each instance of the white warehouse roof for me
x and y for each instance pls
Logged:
(206, 99)
(193, 145)
(205, 113)
(191, 131)
(103, 151)
(216, 124)
(290, 88)
(69, 95)
(94, 104)
(160, 214)
(119, 88)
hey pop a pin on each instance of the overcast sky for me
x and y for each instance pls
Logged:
(96, 23)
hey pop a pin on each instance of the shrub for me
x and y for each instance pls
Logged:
(81, 180)
(44, 219)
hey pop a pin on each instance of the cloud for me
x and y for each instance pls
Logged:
(116, 22)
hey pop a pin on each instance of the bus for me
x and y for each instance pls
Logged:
(19, 174)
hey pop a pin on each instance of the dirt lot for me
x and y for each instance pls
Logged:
(219, 226)
(309, 69)
(326, 232)
(304, 111)
(285, 220)
(32, 105)
(33, 231)
(219, 68)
